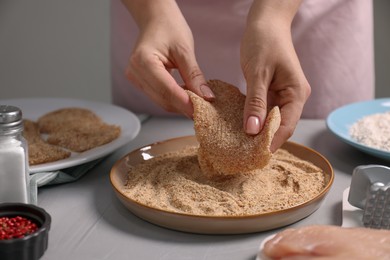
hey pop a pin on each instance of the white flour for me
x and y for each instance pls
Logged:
(373, 131)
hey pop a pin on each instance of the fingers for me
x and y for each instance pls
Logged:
(290, 114)
(255, 110)
(192, 75)
(292, 99)
(148, 72)
(152, 74)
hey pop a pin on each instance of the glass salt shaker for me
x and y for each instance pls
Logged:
(14, 173)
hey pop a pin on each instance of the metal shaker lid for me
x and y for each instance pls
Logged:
(11, 119)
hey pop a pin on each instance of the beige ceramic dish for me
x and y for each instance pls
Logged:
(215, 224)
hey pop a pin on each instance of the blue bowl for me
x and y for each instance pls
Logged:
(340, 121)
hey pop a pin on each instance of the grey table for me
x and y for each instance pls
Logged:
(89, 222)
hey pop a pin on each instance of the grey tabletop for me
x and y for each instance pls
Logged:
(89, 222)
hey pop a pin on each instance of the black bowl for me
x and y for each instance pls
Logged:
(29, 247)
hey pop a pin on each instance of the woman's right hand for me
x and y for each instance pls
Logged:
(271, 68)
(165, 43)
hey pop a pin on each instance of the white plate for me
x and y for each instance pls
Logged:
(33, 108)
(341, 119)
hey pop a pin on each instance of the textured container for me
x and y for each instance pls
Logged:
(32, 246)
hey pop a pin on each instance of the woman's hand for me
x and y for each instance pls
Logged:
(271, 68)
(165, 43)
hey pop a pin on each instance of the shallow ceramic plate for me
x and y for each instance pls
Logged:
(33, 108)
(341, 119)
(214, 224)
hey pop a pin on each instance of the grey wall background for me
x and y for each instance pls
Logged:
(57, 48)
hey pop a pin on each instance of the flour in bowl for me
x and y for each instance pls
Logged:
(373, 131)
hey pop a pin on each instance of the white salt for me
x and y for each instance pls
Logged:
(13, 183)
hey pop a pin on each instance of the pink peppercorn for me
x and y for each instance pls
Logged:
(16, 227)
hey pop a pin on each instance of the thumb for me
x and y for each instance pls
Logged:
(193, 77)
(255, 110)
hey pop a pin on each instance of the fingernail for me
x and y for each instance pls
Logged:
(253, 125)
(206, 92)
